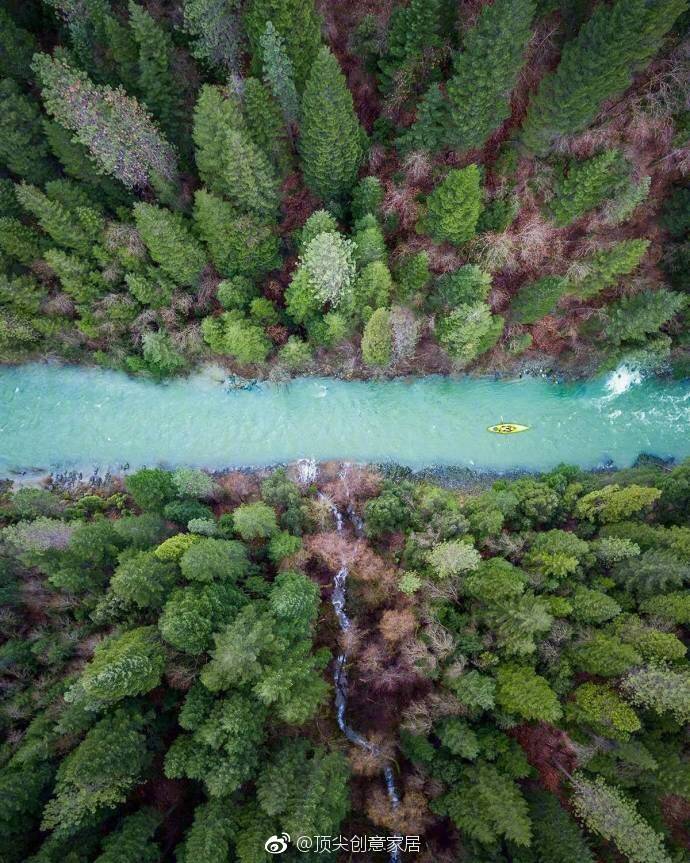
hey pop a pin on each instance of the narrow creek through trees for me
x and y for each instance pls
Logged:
(340, 678)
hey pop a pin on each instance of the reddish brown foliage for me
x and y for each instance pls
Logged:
(354, 482)
(397, 624)
(410, 818)
(277, 333)
(548, 750)
(676, 812)
(297, 204)
(237, 486)
(332, 549)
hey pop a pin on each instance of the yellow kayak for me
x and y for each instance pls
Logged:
(507, 428)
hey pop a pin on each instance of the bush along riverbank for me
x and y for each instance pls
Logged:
(515, 657)
(415, 189)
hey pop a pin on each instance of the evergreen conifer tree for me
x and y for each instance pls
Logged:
(478, 92)
(23, 149)
(117, 131)
(238, 245)
(156, 82)
(415, 30)
(60, 224)
(607, 813)
(332, 143)
(537, 299)
(606, 266)
(556, 836)
(595, 66)
(229, 162)
(298, 24)
(19, 241)
(635, 318)
(265, 124)
(132, 841)
(99, 773)
(377, 342)
(101, 43)
(170, 243)
(454, 207)
(216, 30)
(279, 75)
(587, 185)
(17, 47)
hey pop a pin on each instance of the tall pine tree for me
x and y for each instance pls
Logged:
(216, 29)
(279, 75)
(228, 160)
(101, 44)
(299, 25)
(597, 65)
(23, 149)
(332, 143)
(415, 30)
(478, 92)
(117, 131)
(157, 85)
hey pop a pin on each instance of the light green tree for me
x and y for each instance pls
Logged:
(520, 690)
(614, 817)
(452, 209)
(377, 341)
(229, 162)
(99, 774)
(587, 185)
(128, 664)
(170, 243)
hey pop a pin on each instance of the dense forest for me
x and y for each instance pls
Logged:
(350, 188)
(517, 657)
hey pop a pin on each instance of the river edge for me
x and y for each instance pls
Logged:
(453, 477)
(350, 368)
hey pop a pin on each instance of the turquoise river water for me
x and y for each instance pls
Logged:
(61, 417)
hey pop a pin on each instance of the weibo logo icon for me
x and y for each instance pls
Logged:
(277, 844)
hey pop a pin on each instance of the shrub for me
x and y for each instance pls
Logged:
(175, 547)
(194, 483)
(233, 334)
(151, 488)
(295, 353)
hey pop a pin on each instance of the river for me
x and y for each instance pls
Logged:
(65, 417)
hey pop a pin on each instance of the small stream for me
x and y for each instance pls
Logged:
(340, 679)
